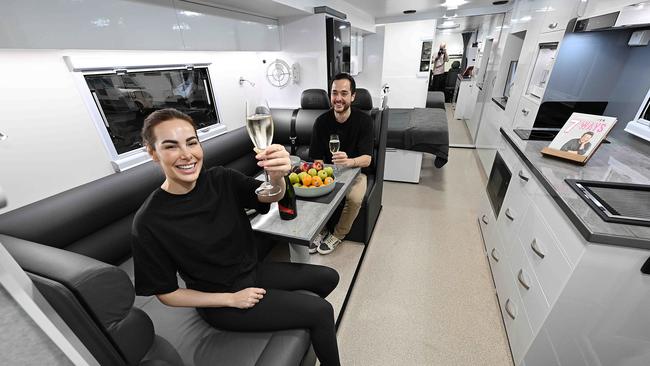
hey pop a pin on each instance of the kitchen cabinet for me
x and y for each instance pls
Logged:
(564, 301)
(532, 270)
(558, 13)
(467, 93)
(488, 136)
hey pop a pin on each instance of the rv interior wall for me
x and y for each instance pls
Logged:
(303, 43)
(600, 66)
(453, 40)
(370, 77)
(53, 144)
(587, 66)
(402, 46)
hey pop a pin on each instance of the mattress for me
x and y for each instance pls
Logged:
(420, 129)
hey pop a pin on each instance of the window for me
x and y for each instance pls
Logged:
(120, 99)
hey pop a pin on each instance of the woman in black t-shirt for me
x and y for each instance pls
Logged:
(194, 224)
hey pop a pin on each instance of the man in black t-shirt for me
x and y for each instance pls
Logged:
(354, 129)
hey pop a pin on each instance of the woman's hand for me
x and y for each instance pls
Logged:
(275, 160)
(247, 298)
(340, 158)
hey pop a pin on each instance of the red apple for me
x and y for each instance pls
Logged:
(304, 166)
(318, 165)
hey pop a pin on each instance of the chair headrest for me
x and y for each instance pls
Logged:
(455, 65)
(314, 99)
(362, 99)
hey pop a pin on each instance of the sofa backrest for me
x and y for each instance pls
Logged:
(95, 219)
(363, 102)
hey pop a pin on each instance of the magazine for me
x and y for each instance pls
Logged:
(580, 137)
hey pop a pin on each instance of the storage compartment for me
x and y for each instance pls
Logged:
(544, 255)
(403, 165)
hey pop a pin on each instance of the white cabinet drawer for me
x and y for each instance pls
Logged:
(519, 332)
(547, 261)
(525, 113)
(488, 224)
(533, 299)
(515, 205)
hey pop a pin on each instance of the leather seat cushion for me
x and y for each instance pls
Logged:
(199, 344)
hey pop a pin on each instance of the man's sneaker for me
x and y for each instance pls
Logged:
(329, 244)
(313, 246)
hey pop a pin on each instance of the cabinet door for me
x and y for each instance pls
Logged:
(488, 136)
(602, 316)
(558, 13)
(526, 113)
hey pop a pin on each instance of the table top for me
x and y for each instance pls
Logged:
(312, 216)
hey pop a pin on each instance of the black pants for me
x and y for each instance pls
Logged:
(282, 308)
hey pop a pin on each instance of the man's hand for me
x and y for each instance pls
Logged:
(247, 298)
(341, 158)
(275, 160)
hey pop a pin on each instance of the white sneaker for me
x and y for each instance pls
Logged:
(329, 244)
(313, 246)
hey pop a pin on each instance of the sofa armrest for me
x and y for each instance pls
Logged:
(104, 295)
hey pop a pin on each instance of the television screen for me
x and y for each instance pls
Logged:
(555, 114)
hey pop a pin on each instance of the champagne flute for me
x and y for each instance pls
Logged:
(259, 125)
(335, 145)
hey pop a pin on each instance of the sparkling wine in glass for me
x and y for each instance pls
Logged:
(259, 125)
(335, 145)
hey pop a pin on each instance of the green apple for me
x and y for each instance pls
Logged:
(329, 170)
(293, 178)
(313, 172)
(297, 185)
(322, 174)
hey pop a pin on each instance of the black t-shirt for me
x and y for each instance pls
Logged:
(204, 235)
(355, 135)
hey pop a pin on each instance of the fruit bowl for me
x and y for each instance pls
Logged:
(312, 179)
(315, 191)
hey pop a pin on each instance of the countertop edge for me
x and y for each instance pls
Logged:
(575, 220)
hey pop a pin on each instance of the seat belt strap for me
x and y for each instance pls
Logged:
(292, 134)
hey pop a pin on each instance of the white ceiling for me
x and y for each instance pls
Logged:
(391, 8)
(384, 11)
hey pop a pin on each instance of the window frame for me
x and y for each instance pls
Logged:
(133, 158)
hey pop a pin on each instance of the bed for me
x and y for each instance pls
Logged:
(421, 129)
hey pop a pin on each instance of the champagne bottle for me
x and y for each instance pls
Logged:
(287, 205)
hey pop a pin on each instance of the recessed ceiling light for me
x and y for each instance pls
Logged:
(410, 11)
(500, 2)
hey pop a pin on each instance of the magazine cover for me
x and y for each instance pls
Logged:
(580, 136)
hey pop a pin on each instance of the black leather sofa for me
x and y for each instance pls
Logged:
(75, 246)
(293, 128)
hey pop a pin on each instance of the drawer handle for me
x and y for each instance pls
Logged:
(525, 112)
(494, 254)
(522, 176)
(511, 309)
(522, 279)
(484, 219)
(553, 25)
(509, 215)
(535, 247)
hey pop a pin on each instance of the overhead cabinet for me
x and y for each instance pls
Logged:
(133, 25)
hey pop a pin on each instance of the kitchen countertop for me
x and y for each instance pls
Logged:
(614, 162)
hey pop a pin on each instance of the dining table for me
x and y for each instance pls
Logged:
(312, 215)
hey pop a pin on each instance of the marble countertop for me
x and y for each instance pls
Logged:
(614, 162)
